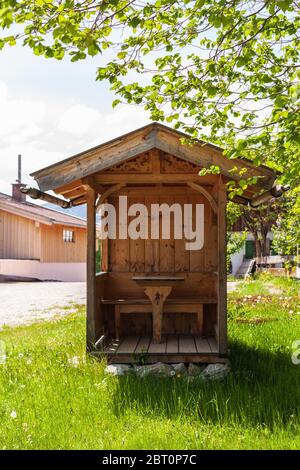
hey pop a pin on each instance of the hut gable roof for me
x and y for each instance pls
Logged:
(152, 136)
(141, 140)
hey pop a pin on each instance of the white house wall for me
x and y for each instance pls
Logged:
(237, 260)
(67, 272)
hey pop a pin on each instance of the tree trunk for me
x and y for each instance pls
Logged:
(257, 247)
(264, 246)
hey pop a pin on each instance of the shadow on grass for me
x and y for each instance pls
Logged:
(262, 389)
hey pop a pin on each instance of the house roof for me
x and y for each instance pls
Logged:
(152, 136)
(39, 213)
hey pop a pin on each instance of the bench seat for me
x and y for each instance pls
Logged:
(171, 305)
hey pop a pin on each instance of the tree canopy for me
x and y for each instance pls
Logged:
(222, 70)
(287, 233)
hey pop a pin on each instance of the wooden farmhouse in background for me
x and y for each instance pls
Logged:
(40, 243)
(153, 296)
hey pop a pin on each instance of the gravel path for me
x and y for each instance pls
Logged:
(25, 302)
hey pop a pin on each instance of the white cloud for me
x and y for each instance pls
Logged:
(19, 118)
(3, 93)
(45, 130)
(93, 127)
(79, 120)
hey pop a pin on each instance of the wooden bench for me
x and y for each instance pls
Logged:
(191, 305)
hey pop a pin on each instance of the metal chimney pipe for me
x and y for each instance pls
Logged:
(19, 180)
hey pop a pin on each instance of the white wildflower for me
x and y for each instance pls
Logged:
(13, 414)
(74, 361)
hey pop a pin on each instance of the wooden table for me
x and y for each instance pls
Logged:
(158, 288)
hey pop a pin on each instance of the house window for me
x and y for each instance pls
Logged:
(68, 236)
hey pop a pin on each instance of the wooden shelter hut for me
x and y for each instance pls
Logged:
(153, 297)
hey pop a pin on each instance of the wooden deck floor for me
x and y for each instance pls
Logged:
(173, 348)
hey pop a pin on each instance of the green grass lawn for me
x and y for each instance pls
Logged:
(53, 397)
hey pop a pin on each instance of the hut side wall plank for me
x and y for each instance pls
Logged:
(163, 255)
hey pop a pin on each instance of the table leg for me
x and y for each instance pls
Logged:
(157, 296)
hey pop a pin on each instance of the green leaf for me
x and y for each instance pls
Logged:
(116, 102)
(284, 4)
(93, 49)
(39, 49)
(212, 91)
(134, 22)
(59, 54)
(122, 55)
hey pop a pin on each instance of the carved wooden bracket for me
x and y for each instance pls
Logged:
(206, 194)
(109, 192)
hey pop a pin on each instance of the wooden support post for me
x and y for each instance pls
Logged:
(91, 270)
(222, 271)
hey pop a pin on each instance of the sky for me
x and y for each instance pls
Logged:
(51, 110)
